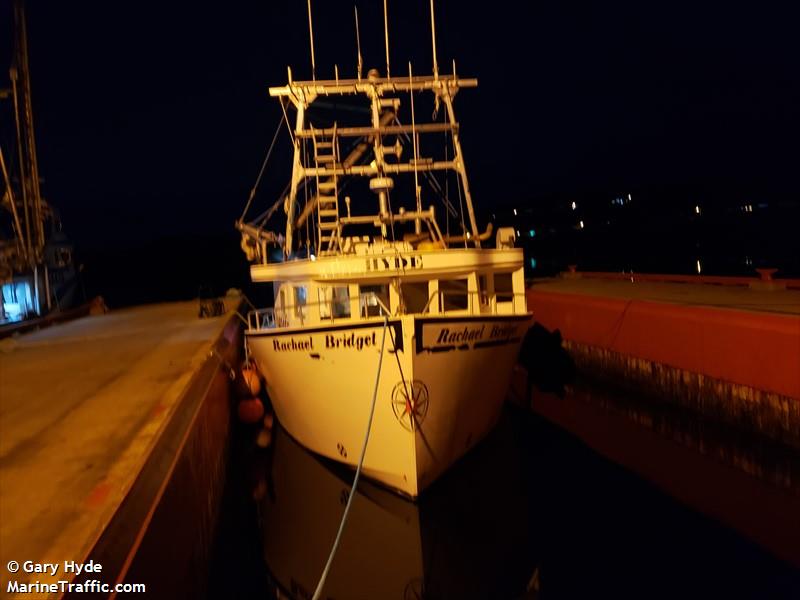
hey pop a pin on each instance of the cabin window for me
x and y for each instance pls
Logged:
(415, 296)
(300, 301)
(324, 295)
(281, 315)
(483, 290)
(503, 287)
(371, 297)
(341, 302)
(334, 300)
(454, 294)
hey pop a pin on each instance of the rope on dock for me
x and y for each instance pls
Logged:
(324, 576)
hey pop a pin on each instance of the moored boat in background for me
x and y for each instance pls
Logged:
(36, 264)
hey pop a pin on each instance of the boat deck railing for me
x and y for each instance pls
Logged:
(371, 305)
(261, 318)
(478, 302)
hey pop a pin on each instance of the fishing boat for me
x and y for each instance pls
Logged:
(372, 299)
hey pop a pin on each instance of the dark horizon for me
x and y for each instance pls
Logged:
(152, 120)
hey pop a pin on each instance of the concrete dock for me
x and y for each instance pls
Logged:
(83, 405)
(724, 348)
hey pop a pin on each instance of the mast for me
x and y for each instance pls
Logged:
(433, 44)
(32, 228)
(384, 102)
(386, 37)
(318, 165)
(9, 199)
(311, 42)
(458, 160)
(297, 177)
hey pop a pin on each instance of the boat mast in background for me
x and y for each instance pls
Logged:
(31, 232)
(35, 258)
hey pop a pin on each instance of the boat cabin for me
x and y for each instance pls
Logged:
(392, 279)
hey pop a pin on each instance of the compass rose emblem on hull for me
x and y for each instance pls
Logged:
(410, 403)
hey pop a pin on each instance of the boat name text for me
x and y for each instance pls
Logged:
(351, 340)
(293, 344)
(394, 263)
(470, 334)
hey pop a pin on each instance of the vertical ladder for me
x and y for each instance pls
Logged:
(326, 154)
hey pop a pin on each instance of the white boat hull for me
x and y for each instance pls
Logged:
(456, 368)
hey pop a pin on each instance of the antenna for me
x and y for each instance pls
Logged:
(433, 43)
(311, 39)
(386, 35)
(417, 223)
(358, 44)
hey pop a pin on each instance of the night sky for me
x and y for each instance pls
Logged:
(152, 118)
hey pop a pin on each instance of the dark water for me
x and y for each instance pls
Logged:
(531, 512)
